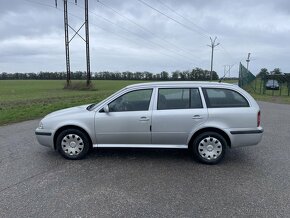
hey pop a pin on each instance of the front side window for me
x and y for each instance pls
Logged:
(218, 98)
(138, 100)
(175, 98)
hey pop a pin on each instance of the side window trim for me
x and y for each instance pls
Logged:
(202, 97)
(205, 97)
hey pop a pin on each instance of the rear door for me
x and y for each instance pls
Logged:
(229, 108)
(176, 113)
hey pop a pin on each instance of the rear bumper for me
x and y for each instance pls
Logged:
(44, 137)
(246, 137)
(272, 88)
(246, 132)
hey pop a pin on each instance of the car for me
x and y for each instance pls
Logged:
(206, 118)
(272, 84)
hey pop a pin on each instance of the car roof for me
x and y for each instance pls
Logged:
(179, 83)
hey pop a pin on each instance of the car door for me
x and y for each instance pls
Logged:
(229, 108)
(177, 112)
(128, 120)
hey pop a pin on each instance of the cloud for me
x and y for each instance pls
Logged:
(139, 38)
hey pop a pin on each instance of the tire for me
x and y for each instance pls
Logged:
(209, 147)
(73, 144)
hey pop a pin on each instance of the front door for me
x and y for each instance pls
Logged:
(128, 120)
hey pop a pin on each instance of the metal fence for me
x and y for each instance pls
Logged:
(266, 85)
(274, 85)
(245, 76)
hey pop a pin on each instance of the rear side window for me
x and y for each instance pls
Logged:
(178, 99)
(218, 98)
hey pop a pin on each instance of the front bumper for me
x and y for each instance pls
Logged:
(45, 137)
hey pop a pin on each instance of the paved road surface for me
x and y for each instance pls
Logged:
(254, 181)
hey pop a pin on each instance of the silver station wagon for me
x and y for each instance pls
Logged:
(206, 118)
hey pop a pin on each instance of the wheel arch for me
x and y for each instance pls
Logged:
(210, 129)
(70, 127)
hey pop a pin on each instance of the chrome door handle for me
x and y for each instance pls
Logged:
(144, 119)
(196, 117)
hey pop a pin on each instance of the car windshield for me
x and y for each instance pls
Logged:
(94, 105)
(271, 82)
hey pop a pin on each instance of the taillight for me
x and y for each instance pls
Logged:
(259, 119)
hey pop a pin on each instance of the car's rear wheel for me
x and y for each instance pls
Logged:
(72, 144)
(209, 147)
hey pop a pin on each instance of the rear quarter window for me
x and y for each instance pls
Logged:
(224, 98)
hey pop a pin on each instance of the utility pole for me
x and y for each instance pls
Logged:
(67, 40)
(225, 67)
(212, 45)
(87, 42)
(248, 61)
(228, 70)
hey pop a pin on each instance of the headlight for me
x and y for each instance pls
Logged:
(40, 126)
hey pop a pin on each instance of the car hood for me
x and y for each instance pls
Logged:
(68, 111)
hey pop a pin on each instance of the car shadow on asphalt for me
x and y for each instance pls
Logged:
(233, 156)
(140, 153)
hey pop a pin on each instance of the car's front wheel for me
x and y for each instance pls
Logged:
(209, 147)
(72, 144)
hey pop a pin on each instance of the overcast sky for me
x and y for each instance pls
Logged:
(135, 37)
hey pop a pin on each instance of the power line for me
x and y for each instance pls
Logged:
(227, 71)
(165, 15)
(146, 40)
(67, 41)
(40, 3)
(145, 29)
(135, 23)
(178, 22)
(73, 15)
(128, 39)
(199, 29)
(202, 31)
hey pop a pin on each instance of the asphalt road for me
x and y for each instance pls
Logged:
(252, 181)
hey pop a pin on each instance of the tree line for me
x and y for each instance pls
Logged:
(194, 74)
(275, 74)
(264, 72)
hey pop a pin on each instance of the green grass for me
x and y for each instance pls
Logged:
(29, 99)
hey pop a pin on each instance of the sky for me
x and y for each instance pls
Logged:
(146, 35)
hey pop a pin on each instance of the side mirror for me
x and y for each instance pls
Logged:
(106, 109)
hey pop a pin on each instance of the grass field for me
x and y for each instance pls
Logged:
(29, 99)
